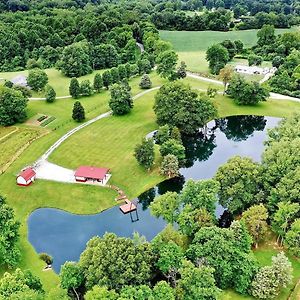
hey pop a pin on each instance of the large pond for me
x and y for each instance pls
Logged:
(64, 235)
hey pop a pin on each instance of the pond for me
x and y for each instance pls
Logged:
(64, 235)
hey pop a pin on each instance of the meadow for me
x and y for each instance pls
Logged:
(192, 45)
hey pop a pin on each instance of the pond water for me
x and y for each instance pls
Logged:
(64, 235)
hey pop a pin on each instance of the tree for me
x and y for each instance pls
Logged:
(211, 92)
(20, 285)
(266, 35)
(239, 180)
(255, 60)
(162, 134)
(197, 283)
(86, 88)
(122, 72)
(37, 79)
(74, 88)
(239, 45)
(283, 218)
(105, 258)
(144, 66)
(277, 61)
(255, 219)
(245, 93)
(166, 64)
(144, 153)
(46, 258)
(231, 48)
(292, 238)
(9, 235)
(271, 279)
(107, 79)
(162, 290)
(145, 82)
(176, 104)
(75, 61)
(50, 94)
(71, 277)
(217, 57)
(173, 147)
(170, 166)
(181, 71)
(114, 73)
(169, 261)
(121, 101)
(78, 114)
(12, 106)
(98, 83)
(226, 75)
(101, 293)
(166, 206)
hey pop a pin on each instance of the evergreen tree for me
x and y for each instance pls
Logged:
(145, 82)
(50, 94)
(98, 83)
(74, 88)
(114, 73)
(181, 71)
(106, 77)
(78, 112)
(144, 153)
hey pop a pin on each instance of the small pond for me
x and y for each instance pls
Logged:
(64, 235)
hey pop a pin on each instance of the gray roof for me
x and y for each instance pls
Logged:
(20, 80)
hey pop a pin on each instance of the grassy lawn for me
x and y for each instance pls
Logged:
(192, 45)
(109, 142)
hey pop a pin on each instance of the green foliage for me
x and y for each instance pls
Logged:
(231, 48)
(166, 206)
(162, 290)
(197, 283)
(86, 88)
(269, 280)
(211, 92)
(9, 236)
(107, 79)
(217, 57)
(144, 153)
(144, 66)
(181, 71)
(162, 134)
(106, 258)
(121, 101)
(240, 182)
(74, 88)
(100, 293)
(114, 73)
(173, 147)
(246, 93)
(46, 258)
(20, 285)
(170, 166)
(37, 79)
(98, 83)
(75, 61)
(12, 106)
(78, 114)
(226, 75)
(292, 238)
(255, 60)
(176, 104)
(255, 219)
(266, 35)
(50, 94)
(166, 64)
(145, 82)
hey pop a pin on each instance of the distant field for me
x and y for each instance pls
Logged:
(192, 45)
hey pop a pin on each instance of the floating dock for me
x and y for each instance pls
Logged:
(128, 207)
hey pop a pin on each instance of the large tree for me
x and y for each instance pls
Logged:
(78, 113)
(173, 147)
(12, 106)
(121, 101)
(105, 258)
(166, 64)
(178, 105)
(74, 88)
(217, 57)
(37, 79)
(292, 238)
(144, 153)
(9, 235)
(225, 75)
(240, 181)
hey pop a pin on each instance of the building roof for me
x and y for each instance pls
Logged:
(28, 174)
(91, 172)
(20, 80)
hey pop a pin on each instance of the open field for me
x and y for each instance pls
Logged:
(108, 142)
(192, 45)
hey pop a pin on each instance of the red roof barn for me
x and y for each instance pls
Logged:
(26, 177)
(85, 173)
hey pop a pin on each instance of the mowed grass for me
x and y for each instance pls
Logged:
(192, 45)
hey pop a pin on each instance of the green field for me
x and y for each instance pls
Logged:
(192, 45)
(109, 142)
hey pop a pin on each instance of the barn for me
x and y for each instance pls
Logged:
(26, 177)
(87, 173)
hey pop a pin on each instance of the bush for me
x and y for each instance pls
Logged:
(50, 94)
(145, 82)
(37, 79)
(46, 258)
(86, 88)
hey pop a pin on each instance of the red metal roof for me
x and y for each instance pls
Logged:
(91, 172)
(28, 174)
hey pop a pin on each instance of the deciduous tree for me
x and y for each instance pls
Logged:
(37, 79)
(98, 83)
(145, 82)
(50, 94)
(121, 101)
(166, 64)
(170, 166)
(144, 153)
(74, 88)
(217, 57)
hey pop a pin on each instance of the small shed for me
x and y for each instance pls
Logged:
(85, 173)
(26, 177)
(20, 80)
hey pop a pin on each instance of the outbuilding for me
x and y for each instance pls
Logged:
(85, 173)
(26, 177)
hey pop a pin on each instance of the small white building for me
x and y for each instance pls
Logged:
(254, 70)
(26, 177)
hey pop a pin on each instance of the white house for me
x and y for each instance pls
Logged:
(26, 177)
(254, 70)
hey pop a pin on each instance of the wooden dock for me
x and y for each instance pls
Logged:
(127, 207)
